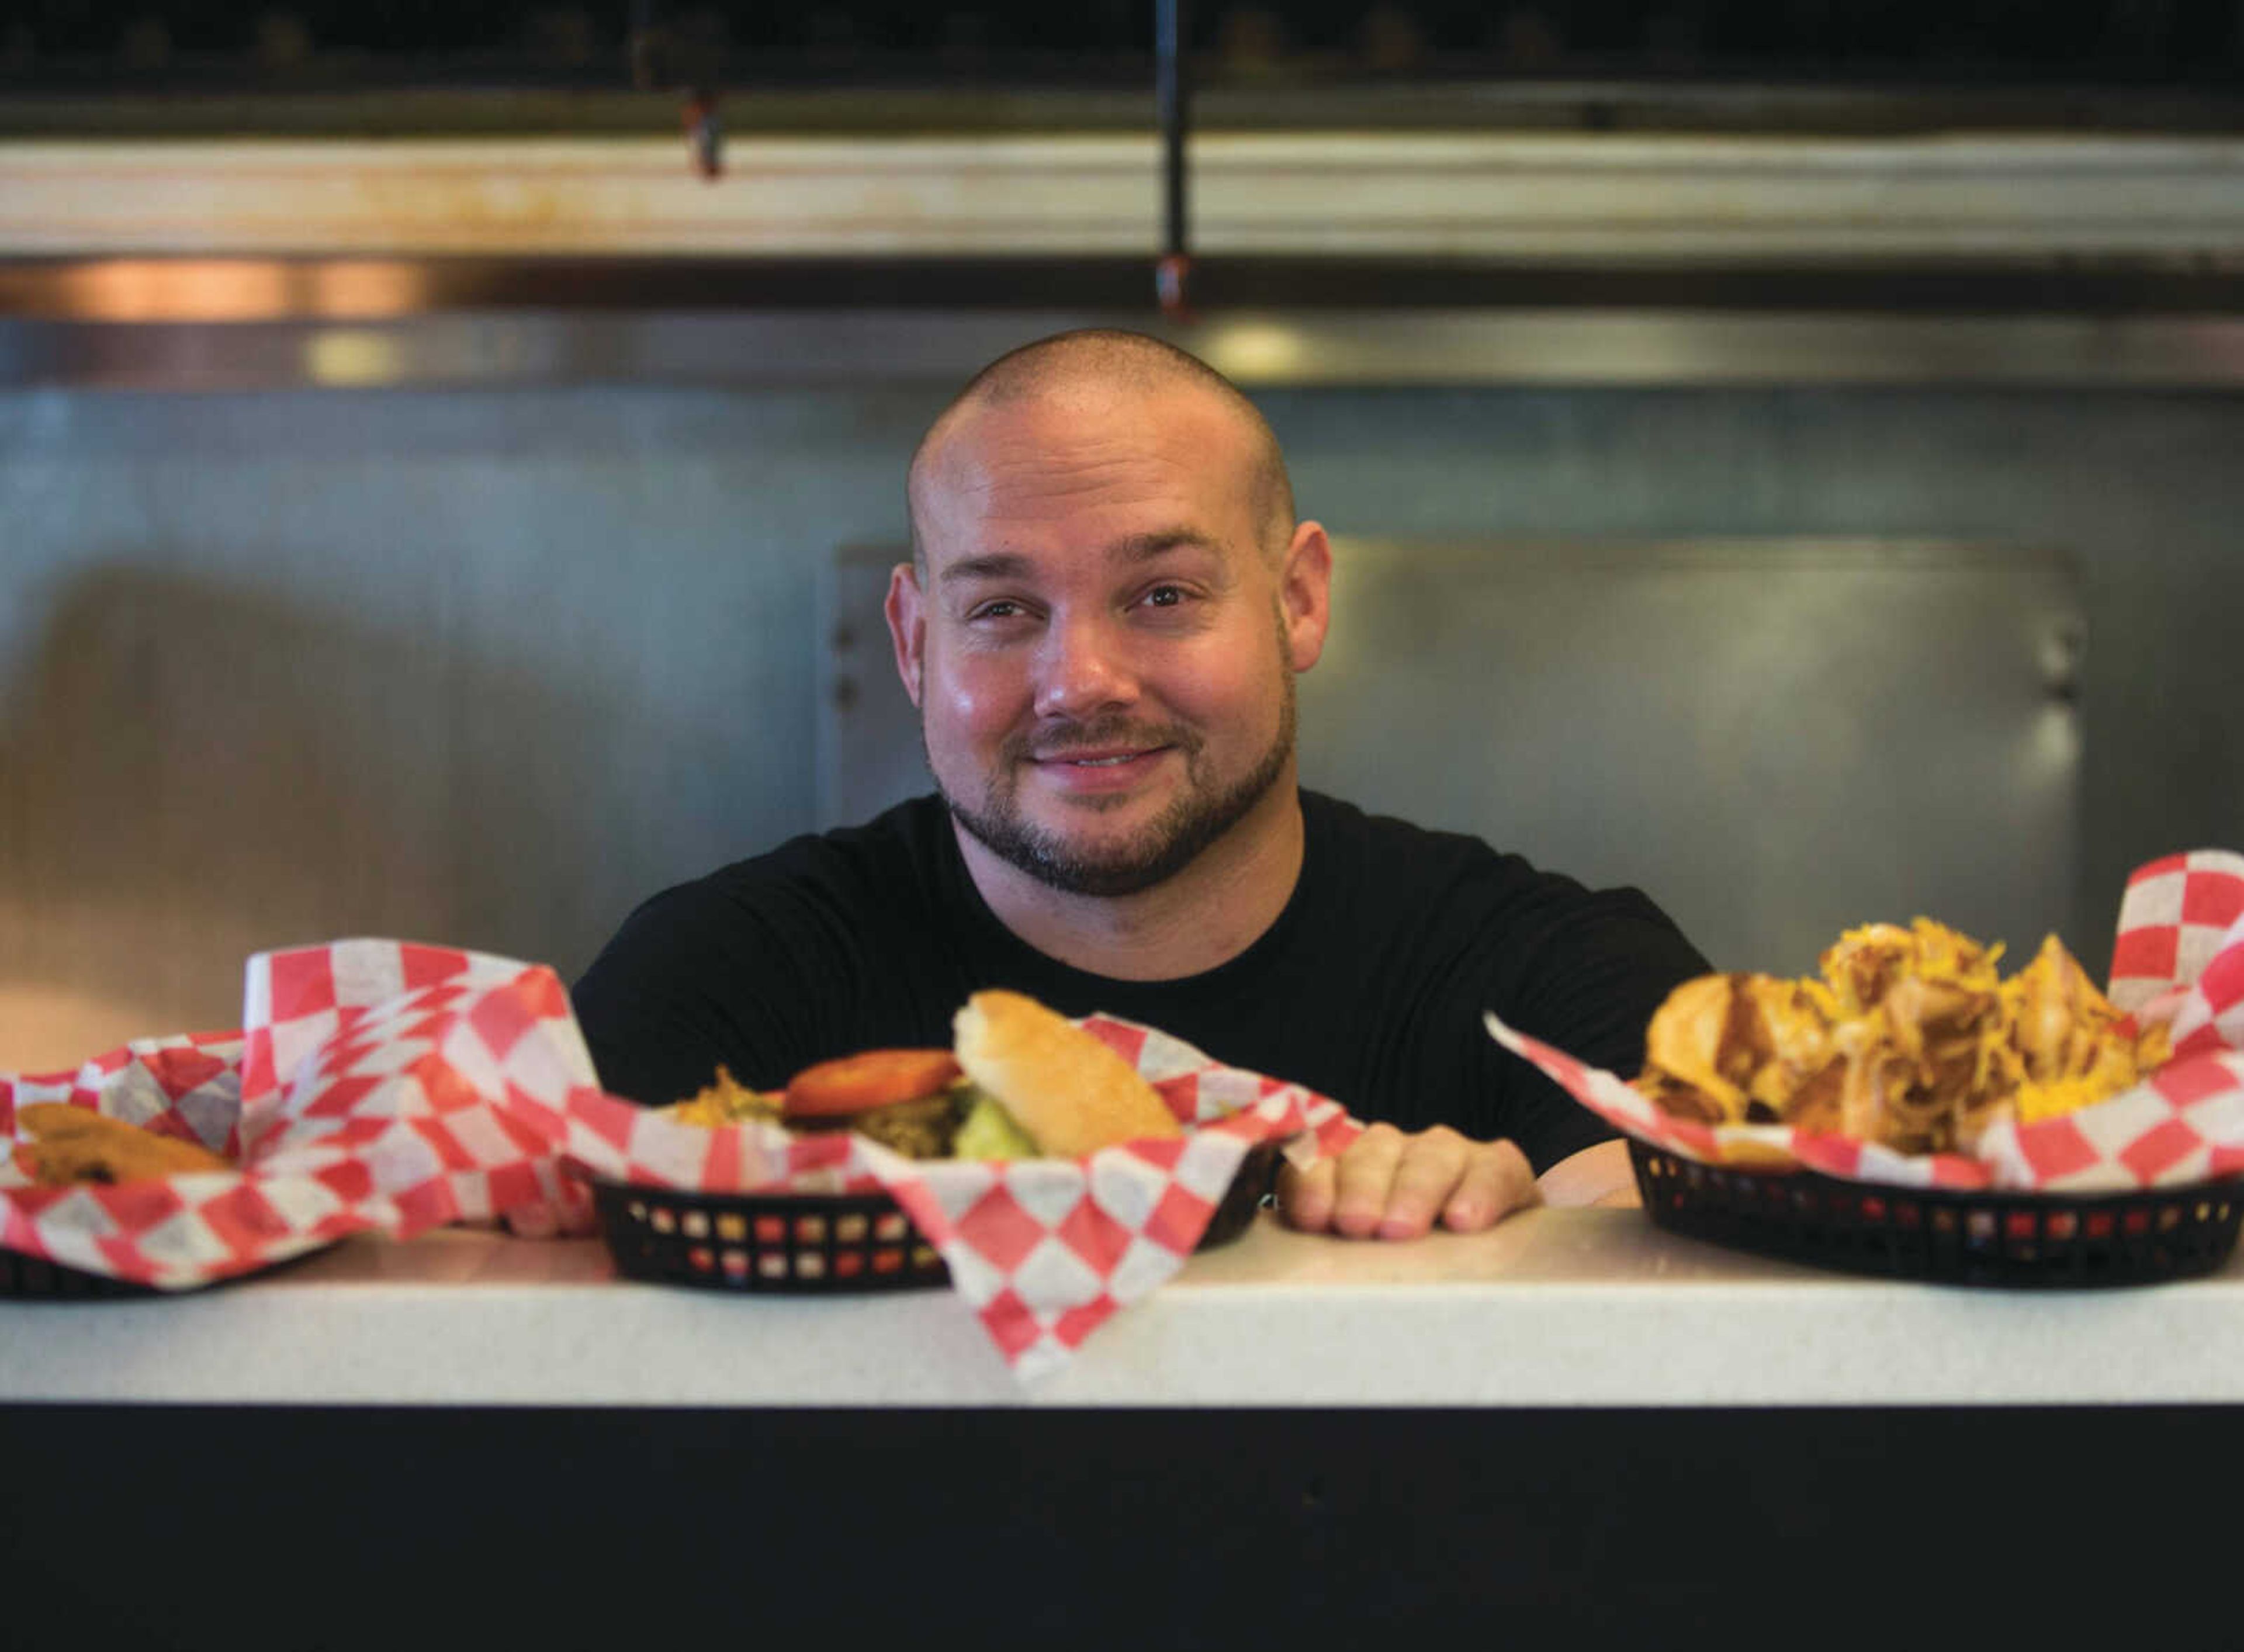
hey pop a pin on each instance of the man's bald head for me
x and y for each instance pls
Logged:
(1116, 361)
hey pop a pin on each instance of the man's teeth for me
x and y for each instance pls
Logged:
(1101, 763)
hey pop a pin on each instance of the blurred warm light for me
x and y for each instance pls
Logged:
(184, 290)
(1256, 350)
(202, 289)
(365, 289)
(352, 356)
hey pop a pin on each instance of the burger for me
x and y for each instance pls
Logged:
(910, 1101)
(1021, 1081)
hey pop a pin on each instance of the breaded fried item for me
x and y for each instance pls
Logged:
(70, 1144)
(1741, 1047)
(1863, 965)
(2068, 1040)
(1911, 1038)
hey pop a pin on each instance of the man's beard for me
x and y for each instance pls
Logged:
(1165, 847)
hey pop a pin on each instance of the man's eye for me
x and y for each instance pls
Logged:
(1165, 596)
(995, 610)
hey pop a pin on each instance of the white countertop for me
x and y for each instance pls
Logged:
(1583, 1307)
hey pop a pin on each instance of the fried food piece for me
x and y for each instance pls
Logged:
(1920, 1030)
(725, 1100)
(2070, 1042)
(1865, 965)
(70, 1144)
(1911, 1038)
(1739, 1048)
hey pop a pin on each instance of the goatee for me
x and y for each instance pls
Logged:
(1150, 857)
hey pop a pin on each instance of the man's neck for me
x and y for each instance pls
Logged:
(1206, 915)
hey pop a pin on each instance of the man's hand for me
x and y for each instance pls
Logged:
(571, 1216)
(1392, 1186)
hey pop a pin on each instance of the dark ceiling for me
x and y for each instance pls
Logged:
(94, 46)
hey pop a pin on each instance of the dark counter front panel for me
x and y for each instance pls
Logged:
(395, 1529)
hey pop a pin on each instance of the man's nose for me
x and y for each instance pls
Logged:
(1083, 668)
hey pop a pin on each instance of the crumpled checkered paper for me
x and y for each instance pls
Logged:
(388, 1087)
(1043, 1251)
(370, 1090)
(2178, 959)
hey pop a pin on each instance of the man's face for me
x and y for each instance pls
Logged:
(1100, 648)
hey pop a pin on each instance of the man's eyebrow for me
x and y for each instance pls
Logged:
(1138, 548)
(995, 565)
(1144, 547)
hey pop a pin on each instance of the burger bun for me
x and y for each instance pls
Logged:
(1070, 1092)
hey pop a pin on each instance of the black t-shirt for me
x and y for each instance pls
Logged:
(1368, 988)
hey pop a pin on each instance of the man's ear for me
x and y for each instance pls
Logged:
(905, 609)
(1305, 594)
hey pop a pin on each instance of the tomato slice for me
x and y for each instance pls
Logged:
(871, 1078)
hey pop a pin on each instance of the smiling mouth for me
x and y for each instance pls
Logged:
(1089, 763)
(1109, 753)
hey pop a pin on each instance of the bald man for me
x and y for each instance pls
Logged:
(1108, 600)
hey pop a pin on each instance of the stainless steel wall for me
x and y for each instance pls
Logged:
(485, 666)
(1766, 732)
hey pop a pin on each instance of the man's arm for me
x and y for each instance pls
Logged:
(1588, 983)
(723, 971)
(1599, 1175)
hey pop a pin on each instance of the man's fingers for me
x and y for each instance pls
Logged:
(533, 1221)
(1498, 1180)
(1305, 1197)
(1397, 1185)
(1432, 1166)
(567, 1213)
(1366, 1177)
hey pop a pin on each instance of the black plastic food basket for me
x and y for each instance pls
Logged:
(801, 1243)
(35, 1279)
(24, 1278)
(1957, 1238)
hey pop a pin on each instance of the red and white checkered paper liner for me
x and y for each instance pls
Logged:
(1043, 1250)
(387, 1086)
(374, 1087)
(2178, 959)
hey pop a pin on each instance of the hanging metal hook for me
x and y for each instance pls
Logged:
(1172, 274)
(705, 133)
(659, 55)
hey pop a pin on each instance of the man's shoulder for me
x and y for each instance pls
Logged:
(773, 962)
(1387, 845)
(1455, 879)
(903, 842)
(854, 872)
